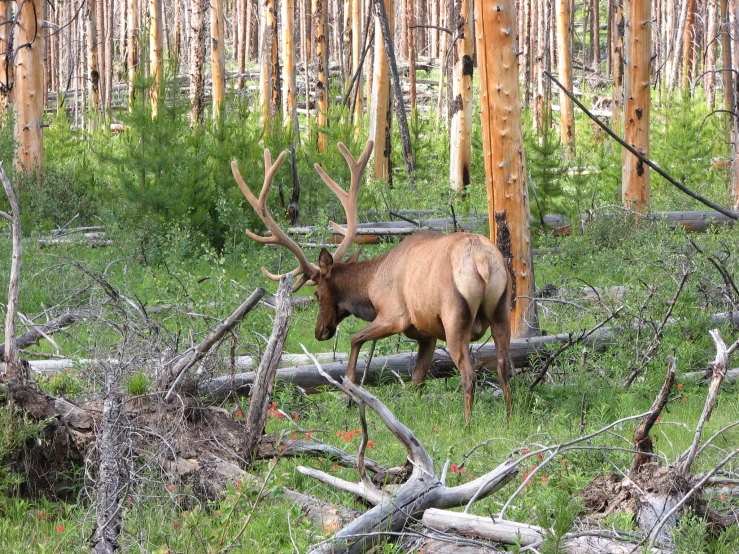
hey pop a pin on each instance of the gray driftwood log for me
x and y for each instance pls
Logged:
(390, 368)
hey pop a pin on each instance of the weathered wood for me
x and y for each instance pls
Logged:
(11, 345)
(36, 333)
(511, 532)
(564, 59)
(112, 477)
(732, 375)
(391, 368)
(261, 392)
(218, 56)
(460, 155)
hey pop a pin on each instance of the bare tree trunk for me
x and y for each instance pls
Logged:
(596, 36)
(218, 57)
(381, 114)
(12, 363)
(677, 42)
(541, 53)
(735, 118)
(564, 53)
(243, 42)
(637, 59)
(688, 46)
(442, 65)
(156, 71)
(411, 37)
(109, 7)
(357, 41)
(92, 59)
(461, 132)
(502, 139)
(321, 85)
(289, 81)
(197, 59)
(531, 48)
(618, 67)
(6, 65)
(304, 48)
(29, 87)
(709, 79)
(727, 76)
(133, 49)
(434, 32)
(100, 44)
(177, 39)
(346, 45)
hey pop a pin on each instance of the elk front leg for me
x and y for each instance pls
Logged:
(426, 349)
(378, 329)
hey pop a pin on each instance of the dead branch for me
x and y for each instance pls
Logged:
(261, 393)
(37, 332)
(191, 357)
(642, 441)
(719, 372)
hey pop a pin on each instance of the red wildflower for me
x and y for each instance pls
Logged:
(279, 415)
(308, 435)
(294, 436)
(273, 405)
(370, 444)
(348, 436)
(525, 476)
(436, 427)
(462, 470)
(564, 463)
(540, 456)
(176, 524)
(171, 487)
(525, 451)
(680, 386)
(218, 512)
(544, 479)
(454, 468)
(334, 467)
(659, 418)
(239, 413)
(129, 500)
(470, 476)
(357, 432)
(60, 528)
(339, 433)
(685, 399)
(722, 497)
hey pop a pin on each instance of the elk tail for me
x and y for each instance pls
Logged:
(503, 240)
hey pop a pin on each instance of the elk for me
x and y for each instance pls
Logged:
(430, 286)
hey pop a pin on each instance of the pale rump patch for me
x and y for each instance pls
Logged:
(476, 276)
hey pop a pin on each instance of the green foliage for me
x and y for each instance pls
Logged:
(136, 384)
(15, 429)
(556, 515)
(67, 384)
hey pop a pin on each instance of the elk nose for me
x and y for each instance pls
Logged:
(324, 333)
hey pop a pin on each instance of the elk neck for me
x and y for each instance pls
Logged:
(351, 285)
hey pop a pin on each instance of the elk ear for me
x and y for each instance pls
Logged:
(355, 256)
(325, 262)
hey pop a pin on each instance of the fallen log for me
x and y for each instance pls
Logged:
(512, 532)
(393, 367)
(37, 332)
(704, 376)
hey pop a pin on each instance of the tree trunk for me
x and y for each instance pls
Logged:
(564, 53)
(100, 44)
(688, 46)
(109, 8)
(411, 37)
(677, 43)
(637, 60)
(541, 54)
(289, 80)
(177, 39)
(727, 76)
(735, 118)
(505, 167)
(243, 42)
(29, 87)
(397, 93)
(156, 71)
(197, 60)
(218, 57)
(321, 55)
(357, 41)
(6, 64)
(346, 45)
(380, 117)
(711, 41)
(618, 67)
(596, 36)
(460, 145)
(92, 59)
(442, 65)
(133, 49)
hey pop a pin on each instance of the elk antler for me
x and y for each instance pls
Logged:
(348, 199)
(305, 269)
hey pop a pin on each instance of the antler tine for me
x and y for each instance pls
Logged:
(348, 199)
(260, 206)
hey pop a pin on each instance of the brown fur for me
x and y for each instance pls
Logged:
(431, 286)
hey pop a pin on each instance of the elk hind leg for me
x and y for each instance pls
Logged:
(459, 348)
(501, 330)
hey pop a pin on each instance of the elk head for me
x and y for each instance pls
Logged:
(330, 311)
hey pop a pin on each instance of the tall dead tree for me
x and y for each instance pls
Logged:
(197, 61)
(29, 86)
(502, 139)
(156, 52)
(289, 80)
(637, 61)
(321, 56)
(218, 57)
(618, 66)
(93, 89)
(132, 42)
(734, 95)
(595, 34)
(688, 46)
(356, 7)
(410, 20)
(460, 146)
(711, 41)
(6, 63)
(380, 118)
(564, 53)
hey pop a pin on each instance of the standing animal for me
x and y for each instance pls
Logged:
(429, 287)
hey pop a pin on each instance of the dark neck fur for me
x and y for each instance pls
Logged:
(350, 283)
